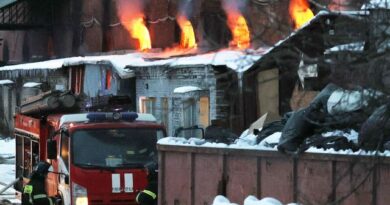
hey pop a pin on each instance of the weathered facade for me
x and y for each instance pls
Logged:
(213, 99)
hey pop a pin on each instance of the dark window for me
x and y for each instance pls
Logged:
(114, 147)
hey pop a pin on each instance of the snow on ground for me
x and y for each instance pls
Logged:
(7, 170)
(250, 200)
(7, 147)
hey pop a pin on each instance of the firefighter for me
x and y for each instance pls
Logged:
(149, 195)
(34, 192)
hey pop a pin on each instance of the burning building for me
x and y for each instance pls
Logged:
(162, 32)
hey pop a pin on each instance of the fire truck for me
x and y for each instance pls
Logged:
(97, 157)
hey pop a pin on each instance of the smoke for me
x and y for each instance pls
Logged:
(185, 8)
(233, 5)
(129, 9)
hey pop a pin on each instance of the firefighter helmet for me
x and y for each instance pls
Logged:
(42, 168)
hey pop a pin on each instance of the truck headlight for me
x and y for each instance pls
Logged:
(79, 195)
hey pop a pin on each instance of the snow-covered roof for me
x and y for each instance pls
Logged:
(377, 4)
(118, 62)
(233, 59)
(236, 60)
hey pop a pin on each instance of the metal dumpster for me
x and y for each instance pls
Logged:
(191, 175)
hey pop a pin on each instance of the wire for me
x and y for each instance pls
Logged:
(167, 18)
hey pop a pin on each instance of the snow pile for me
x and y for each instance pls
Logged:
(250, 200)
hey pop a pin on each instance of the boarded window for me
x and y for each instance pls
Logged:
(268, 94)
(204, 111)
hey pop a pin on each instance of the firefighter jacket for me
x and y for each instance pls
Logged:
(149, 195)
(34, 193)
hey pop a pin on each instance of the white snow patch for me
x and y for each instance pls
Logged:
(357, 46)
(7, 147)
(186, 89)
(341, 100)
(249, 200)
(252, 200)
(5, 82)
(352, 135)
(221, 200)
(31, 84)
(271, 140)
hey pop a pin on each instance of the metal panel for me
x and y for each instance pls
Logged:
(354, 183)
(194, 175)
(241, 172)
(207, 176)
(383, 185)
(177, 179)
(314, 182)
(277, 178)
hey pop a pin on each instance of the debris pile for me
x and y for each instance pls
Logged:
(329, 120)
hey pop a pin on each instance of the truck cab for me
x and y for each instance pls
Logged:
(97, 158)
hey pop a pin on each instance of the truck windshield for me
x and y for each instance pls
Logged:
(128, 148)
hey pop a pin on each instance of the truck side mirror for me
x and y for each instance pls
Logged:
(51, 146)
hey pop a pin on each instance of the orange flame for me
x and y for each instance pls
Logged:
(300, 12)
(239, 29)
(131, 17)
(187, 38)
(139, 31)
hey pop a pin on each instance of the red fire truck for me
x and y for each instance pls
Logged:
(97, 158)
